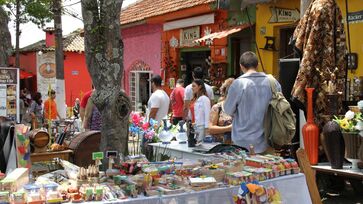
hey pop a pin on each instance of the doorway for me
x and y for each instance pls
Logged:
(191, 59)
(286, 50)
(240, 42)
(140, 89)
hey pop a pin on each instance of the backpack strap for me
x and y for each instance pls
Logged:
(272, 84)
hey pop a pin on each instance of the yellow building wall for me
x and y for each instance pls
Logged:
(356, 34)
(270, 59)
(263, 15)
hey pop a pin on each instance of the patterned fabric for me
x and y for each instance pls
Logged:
(96, 120)
(223, 119)
(320, 40)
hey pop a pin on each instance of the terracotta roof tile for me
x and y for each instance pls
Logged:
(73, 42)
(148, 8)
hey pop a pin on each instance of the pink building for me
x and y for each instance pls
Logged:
(142, 58)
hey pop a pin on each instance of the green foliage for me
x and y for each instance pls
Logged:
(36, 11)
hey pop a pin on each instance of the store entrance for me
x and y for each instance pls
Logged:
(191, 59)
(240, 43)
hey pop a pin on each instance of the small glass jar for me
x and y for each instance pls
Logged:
(33, 194)
(98, 193)
(18, 198)
(51, 193)
(4, 197)
(88, 194)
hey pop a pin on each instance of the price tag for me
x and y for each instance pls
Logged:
(97, 156)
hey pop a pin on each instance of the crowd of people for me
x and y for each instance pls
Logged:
(236, 117)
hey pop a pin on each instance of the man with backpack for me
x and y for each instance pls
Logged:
(247, 102)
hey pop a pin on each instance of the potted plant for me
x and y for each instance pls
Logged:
(351, 126)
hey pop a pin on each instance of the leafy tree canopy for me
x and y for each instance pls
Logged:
(37, 11)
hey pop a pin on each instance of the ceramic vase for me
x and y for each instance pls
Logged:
(352, 143)
(310, 130)
(333, 143)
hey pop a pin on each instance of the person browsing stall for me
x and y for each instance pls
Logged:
(177, 101)
(50, 107)
(200, 109)
(220, 123)
(158, 104)
(188, 93)
(247, 101)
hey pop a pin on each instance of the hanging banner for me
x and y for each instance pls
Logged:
(46, 73)
(187, 36)
(281, 15)
(355, 17)
(9, 93)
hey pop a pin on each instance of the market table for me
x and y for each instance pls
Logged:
(346, 172)
(181, 151)
(293, 190)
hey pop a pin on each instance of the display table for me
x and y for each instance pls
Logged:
(346, 172)
(182, 151)
(49, 156)
(293, 190)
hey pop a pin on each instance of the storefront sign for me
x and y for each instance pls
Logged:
(355, 17)
(281, 15)
(9, 93)
(8, 76)
(187, 36)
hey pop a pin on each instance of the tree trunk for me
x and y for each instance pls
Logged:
(5, 45)
(17, 34)
(59, 58)
(104, 58)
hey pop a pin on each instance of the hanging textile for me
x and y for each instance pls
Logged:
(320, 40)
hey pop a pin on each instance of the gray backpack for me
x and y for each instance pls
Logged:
(279, 121)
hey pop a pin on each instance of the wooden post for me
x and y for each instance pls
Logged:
(310, 176)
(304, 4)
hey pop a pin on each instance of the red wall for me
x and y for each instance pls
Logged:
(76, 76)
(28, 63)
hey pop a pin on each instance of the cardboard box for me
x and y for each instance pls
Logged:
(15, 180)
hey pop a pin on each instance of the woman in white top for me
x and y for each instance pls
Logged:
(200, 108)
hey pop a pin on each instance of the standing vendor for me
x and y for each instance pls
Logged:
(50, 107)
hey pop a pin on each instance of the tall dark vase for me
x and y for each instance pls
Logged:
(333, 143)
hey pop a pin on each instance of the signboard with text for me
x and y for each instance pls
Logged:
(188, 35)
(355, 17)
(282, 15)
(9, 93)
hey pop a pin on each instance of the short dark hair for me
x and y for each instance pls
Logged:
(50, 92)
(180, 81)
(156, 79)
(198, 73)
(248, 60)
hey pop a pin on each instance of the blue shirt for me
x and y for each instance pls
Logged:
(247, 101)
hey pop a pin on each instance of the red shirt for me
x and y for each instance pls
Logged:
(85, 99)
(177, 101)
(191, 108)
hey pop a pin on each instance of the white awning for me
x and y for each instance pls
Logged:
(189, 22)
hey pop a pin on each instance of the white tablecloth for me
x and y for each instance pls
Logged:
(293, 190)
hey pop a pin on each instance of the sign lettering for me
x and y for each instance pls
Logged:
(355, 17)
(281, 15)
(187, 36)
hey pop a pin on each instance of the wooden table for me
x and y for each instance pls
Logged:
(346, 172)
(49, 156)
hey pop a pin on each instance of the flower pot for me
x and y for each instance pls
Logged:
(310, 130)
(333, 143)
(352, 143)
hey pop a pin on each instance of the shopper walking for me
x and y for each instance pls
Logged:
(188, 94)
(158, 104)
(247, 101)
(177, 101)
(200, 109)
